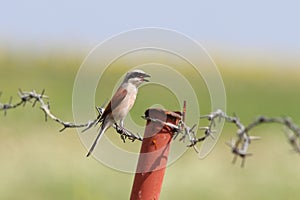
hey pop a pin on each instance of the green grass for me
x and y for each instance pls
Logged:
(38, 162)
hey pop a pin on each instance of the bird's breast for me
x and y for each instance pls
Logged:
(126, 104)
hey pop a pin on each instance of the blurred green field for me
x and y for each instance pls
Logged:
(38, 162)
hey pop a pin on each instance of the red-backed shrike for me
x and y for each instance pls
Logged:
(121, 103)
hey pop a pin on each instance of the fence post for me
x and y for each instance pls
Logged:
(153, 154)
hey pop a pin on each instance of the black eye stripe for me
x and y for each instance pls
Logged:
(136, 74)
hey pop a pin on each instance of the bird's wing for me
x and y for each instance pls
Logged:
(115, 101)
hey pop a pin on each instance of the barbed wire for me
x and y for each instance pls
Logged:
(239, 146)
(33, 98)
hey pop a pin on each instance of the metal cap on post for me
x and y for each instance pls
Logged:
(154, 154)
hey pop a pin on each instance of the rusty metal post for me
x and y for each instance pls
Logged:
(153, 154)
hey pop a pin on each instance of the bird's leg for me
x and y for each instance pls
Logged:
(123, 135)
(120, 127)
(122, 124)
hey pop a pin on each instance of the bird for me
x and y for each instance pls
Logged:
(121, 103)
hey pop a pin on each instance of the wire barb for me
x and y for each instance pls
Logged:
(240, 146)
(126, 134)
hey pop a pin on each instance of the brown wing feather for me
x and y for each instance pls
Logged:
(115, 101)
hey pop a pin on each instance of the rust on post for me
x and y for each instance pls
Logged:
(154, 154)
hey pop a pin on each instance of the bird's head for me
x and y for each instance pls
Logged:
(137, 77)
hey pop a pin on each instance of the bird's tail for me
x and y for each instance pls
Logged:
(101, 131)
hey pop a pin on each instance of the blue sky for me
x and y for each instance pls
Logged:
(271, 26)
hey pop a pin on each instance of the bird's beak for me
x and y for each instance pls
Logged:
(146, 76)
